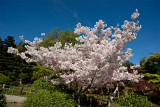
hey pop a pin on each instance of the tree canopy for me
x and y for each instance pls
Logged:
(127, 63)
(14, 66)
(57, 35)
(151, 64)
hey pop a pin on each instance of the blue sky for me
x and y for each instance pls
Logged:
(33, 17)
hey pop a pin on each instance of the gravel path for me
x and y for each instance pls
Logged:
(13, 98)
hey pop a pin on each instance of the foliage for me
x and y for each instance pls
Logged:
(41, 98)
(15, 83)
(12, 90)
(133, 100)
(57, 35)
(154, 96)
(4, 79)
(42, 84)
(21, 46)
(151, 64)
(44, 98)
(147, 89)
(12, 65)
(61, 99)
(39, 71)
(127, 63)
(5, 58)
(55, 98)
(152, 78)
(2, 98)
(1, 46)
(142, 86)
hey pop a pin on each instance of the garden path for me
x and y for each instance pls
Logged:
(13, 98)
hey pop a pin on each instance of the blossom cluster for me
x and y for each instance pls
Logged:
(95, 62)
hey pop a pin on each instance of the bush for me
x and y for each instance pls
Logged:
(61, 99)
(44, 98)
(2, 99)
(15, 83)
(152, 78)
(39, 71)
(133, 100)
(41, 98)
(42, 84)
(4, 79)
(143, 85)
(151, 64)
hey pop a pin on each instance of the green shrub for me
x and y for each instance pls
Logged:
(4, 79)
(39, 71)
(152, 78)
(61, 99)
(41, 98)
(44, 98)
(133, 100)
(42, 84)
(2, 98)
(15, 83)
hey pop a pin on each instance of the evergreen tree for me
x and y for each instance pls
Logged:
(12, 65)
(4, 56)
(1, 46)
(9, 42)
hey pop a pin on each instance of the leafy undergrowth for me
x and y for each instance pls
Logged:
(2, 98)
(134, 100)
(48, 96)
(45, 98)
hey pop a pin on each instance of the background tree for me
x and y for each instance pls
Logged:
(57, 35)
(5, 58)
(127, 63)
(151, 64)
(150, 67)
(21, 46)
(39, 71)
(9, 42)
(142, 65)
(14, 66)
(1, 46)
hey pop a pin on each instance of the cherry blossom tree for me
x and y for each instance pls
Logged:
(95, 62)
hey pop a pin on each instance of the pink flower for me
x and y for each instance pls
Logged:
(135, 15)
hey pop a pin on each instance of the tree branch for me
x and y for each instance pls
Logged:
(88, 85)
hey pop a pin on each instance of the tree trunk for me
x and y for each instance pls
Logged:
(111, 97)
(20, 81)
